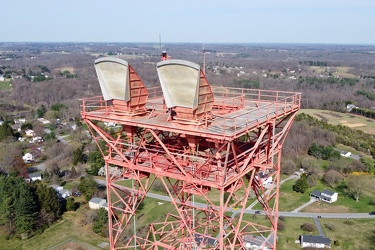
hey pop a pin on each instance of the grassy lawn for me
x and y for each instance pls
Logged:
(290, 200)
(351, 234)
(344, 204)
(9, 244)
(67, 229)
(291, 233)
(70, 184)
(152, 211)
(367, 158)
(346, 119)
(5, 85)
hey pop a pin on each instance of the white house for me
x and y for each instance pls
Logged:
(112, 171)
(29, 133)
(63, 193)
(345, 154)
(315, 241)
(20, 121)
(96, 203)
(326, 195)
(110, 124)
(254, 242)
(350, 107)
(264, 177)
(44, 121)
(35, 176)
(27, 158)
(36, 139)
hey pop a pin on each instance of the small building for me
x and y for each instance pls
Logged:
(205, 241)
(112, 171)
(110, 124)
(36, 139)
(345, 154)
(44, 121)
(96, 203)
(35, 176)
(27, 158)
(63, 193)
(350, 107)
(315, 241)
(264, 177)
(19, 121)
(29, 133)
(325, 195)
(256, 242)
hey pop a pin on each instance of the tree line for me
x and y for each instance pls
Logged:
(27, 208)
(364, 112)
(354, 138)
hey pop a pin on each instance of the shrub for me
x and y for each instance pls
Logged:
(308, 227)
(348, 222)
(311, 180)
(70, 204)
(280, 225)
(330, 226)
(301, 184)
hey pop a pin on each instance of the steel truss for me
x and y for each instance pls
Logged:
(220, 170)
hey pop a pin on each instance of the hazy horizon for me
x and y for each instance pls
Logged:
(271, 22)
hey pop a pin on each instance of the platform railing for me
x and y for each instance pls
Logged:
(254, 106)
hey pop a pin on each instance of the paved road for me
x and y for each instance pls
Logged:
(319, 227)
(355, 157)
(251, 211)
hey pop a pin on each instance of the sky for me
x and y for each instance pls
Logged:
(193, 21)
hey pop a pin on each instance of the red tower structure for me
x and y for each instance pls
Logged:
(216, 143)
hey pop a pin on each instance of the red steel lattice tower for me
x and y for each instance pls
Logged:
(215, 145)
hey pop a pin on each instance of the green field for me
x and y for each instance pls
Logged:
(351, 234)
(68, 229)
(5, 85)
(336, 71)
(345, 119)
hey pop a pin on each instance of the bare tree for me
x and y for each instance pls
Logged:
(288, 167)
(332, 177)
(8, 152)
(309, 164)
(355, 185)
(39, 129)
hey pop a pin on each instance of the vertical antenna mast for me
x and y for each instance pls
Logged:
(163, 54)
(160, 42)
(204, 60)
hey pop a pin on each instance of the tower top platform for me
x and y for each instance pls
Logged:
(235, 111)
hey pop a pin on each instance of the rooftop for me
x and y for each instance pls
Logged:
(315, 239)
